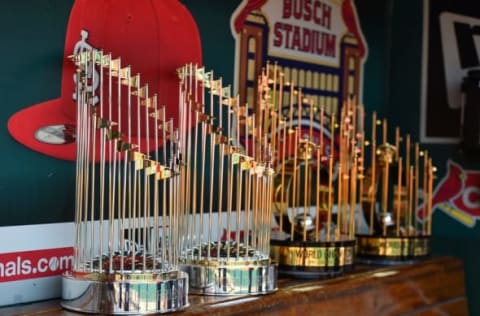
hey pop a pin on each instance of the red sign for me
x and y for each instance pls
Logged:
(34, 264)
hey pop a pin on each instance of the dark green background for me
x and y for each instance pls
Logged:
(38, 189)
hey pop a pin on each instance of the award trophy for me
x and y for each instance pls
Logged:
(225, 192)
(398, 177)
(319, 165)
(127, 219)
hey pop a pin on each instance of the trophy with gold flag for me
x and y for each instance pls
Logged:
(225, 191)
(399, 177)
(319, 165)
(127, 219)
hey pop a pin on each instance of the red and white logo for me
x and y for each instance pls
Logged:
(458, 195)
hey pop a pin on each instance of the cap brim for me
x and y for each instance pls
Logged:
(24, 124)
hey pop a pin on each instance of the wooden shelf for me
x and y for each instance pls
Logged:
(431, 287)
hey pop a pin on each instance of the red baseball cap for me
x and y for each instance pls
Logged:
(154, 37)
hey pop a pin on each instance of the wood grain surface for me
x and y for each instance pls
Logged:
(430, 287)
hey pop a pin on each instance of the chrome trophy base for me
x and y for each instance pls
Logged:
(124, 294)
(231, 278)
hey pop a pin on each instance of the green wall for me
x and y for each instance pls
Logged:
(33, 188)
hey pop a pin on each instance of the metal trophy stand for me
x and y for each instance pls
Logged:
(226, 191)
(127, 220)
(317, 181)
(399, 228)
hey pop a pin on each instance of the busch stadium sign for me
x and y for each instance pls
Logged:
(316, 44)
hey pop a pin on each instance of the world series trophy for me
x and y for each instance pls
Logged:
(127, 219)
(226, 190)
(315, 213)
(399, 175)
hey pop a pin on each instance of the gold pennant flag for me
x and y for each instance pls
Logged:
(227, 91)
(245, 165)
(207, 77)
(150, 166)
(212, 129)
(245, 162)
(252, 164)
(149, 102)
(138, 164)
(106, 60)
(235, 158)
(159, 172)
(221, 139)
(163, 172)
(214, 86)
(167, 173)
(168, 126)
(229, 101)
(229, 149)
(137, 158)
(197, 106)
(200, 73)
(141, 92)
(157, 115)
(115, 66)
(133, 82)
(124, 73)
(122, 146)
(113, 134)
(270, 171)
(164, 126)
(259, 169)
(182, 71)
(103, 123)
(136, 155)
(203, 117)
(98, 57)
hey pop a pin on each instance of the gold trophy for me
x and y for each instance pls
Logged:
(318, 167)
(127, 219)
(399, 175)
(225, 191)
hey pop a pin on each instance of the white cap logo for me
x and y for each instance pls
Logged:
(92, 73)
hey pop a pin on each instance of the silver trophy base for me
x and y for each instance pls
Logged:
(231, 278)
(124, 294)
